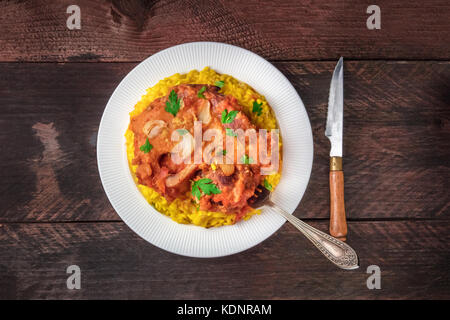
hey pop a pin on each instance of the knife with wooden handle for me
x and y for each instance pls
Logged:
(334, 129)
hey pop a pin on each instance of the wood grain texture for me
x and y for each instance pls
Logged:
(338, 222)
(124, 30)
(396, 139)
(116, 263)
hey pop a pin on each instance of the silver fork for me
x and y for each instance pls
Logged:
(338, 252)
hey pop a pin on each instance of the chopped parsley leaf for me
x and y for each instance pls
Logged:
(204, 185)
(219, 84)
(245, 159)
(257, 108)
(182, 132)
(230, 132)
(200, 92)
(146, 147)
(267, 185)
(173, 104)
(228, 117)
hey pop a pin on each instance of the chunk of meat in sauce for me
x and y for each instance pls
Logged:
(156, 169)
(236, 190)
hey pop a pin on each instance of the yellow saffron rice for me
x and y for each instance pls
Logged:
(185, 210)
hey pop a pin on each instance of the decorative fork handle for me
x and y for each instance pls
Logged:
(338, 252)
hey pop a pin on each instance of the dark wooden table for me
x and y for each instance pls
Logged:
(55, 83)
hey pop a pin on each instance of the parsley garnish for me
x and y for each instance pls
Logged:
(200, 92)
(267, 185)
(221, 152)
(173, 104)
(146, 147)
(204, 185)
(228, 117)
(182, 132)
(246, 159)
(219, 84)
(257, 108)
(230, 132)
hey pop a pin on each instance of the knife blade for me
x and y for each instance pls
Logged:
(334, 132)
(335, 116)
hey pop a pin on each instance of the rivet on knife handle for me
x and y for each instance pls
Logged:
(338, 222)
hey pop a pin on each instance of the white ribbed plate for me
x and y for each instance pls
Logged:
(191, 240)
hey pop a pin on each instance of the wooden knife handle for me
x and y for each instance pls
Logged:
(338, 222)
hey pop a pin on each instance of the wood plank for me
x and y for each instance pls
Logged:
(397, 139)
(116, 264)
(55, 111)
(120, 30)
